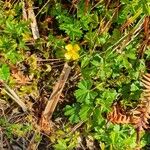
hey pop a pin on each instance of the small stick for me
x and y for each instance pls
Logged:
(24, 12)
(42, 8)
(14, 96)
(45, 122)
(34, 27)
(76, 127)
(57, 90)
(1, 139)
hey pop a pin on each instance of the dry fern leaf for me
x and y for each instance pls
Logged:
(146, 81)
(118, 115)
(19, 77)
(140, 115)
(143, 109)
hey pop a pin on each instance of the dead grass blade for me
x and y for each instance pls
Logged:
(76, 127)
(127, 37)
(34, 27)
(54, 98)
(131, 20)
(33, 145)
(43, 7)
(108, 24)
(146, 37)
(24, 12)
(15, 97)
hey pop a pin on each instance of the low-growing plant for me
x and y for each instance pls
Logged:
(107, 45)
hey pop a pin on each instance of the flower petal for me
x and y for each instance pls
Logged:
(75, 56)
(68, 56)
(76, 47)
(69, 47)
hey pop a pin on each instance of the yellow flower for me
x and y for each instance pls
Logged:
(72, 51)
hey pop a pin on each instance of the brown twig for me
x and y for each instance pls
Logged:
(76, 127)
(1, 139)
(24, 12)
(34, 26)
(28, 13)
(54, 98)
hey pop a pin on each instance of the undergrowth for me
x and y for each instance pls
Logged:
(106, 43)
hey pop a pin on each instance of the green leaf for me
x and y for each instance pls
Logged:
(85, 61)
(4, 72)
(135, 86)
(107, 98)
(97, 117)
(126, 64)
(14, 56)
(84, 93)
(85, 84)
(61, 145)
(72, 112)
(72, 29)
(84, 112)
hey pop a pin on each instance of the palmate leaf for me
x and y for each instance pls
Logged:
(72, 112)
(84, 112)
(106, 99)
(73, 30)
(84, 93)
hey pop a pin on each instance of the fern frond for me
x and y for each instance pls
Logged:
(118, 115)
(138, 116)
